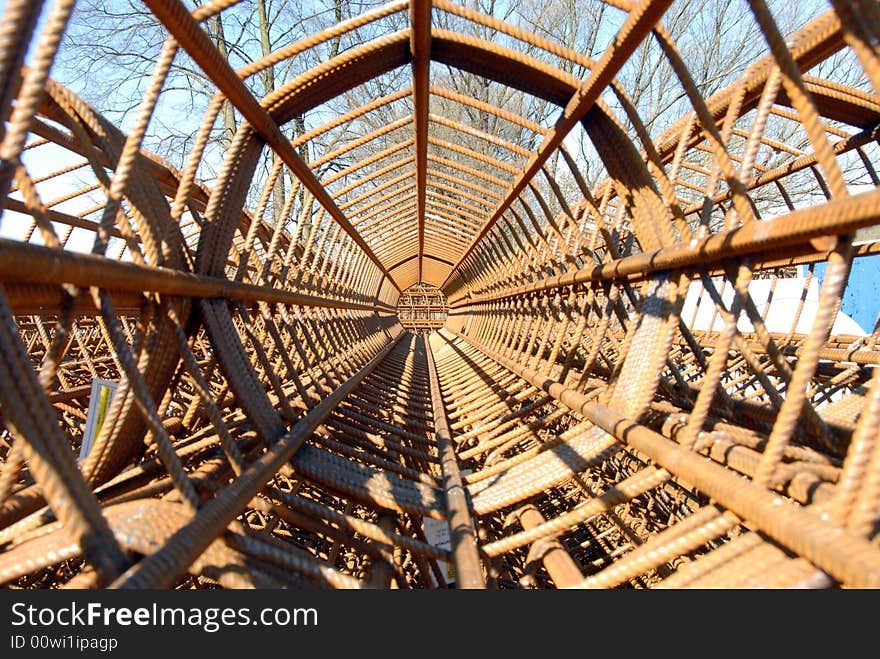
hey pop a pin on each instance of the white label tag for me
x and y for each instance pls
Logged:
(437, 534)
(99, 403)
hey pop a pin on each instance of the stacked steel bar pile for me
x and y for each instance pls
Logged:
(573, 424)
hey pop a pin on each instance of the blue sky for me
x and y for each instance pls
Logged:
(861, 301)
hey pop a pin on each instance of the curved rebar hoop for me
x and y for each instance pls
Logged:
(437, 299)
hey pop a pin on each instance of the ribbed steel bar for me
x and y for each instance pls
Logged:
(462, 537)
(420, 46)
(637, 26)
(799, 227)
(35, 263)
(830, 546)
(192, 38)
(163, 567)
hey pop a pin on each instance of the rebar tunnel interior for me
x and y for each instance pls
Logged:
(429, 295)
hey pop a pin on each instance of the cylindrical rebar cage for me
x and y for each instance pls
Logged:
(419, 297)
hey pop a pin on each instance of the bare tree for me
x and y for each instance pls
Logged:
(111, 45)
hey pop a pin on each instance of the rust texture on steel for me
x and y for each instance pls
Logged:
(492, 327)
(422, 308)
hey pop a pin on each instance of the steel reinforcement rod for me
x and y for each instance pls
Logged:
(420, 46)
(800, 227)
(850, 559)
(163, 568)
(178, 21)
(44, 265)
(639, 24)
(559, 564)
(463, 541)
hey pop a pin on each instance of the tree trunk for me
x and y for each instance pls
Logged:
(215, 29)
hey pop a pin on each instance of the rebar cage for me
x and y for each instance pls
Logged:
(645, 378)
